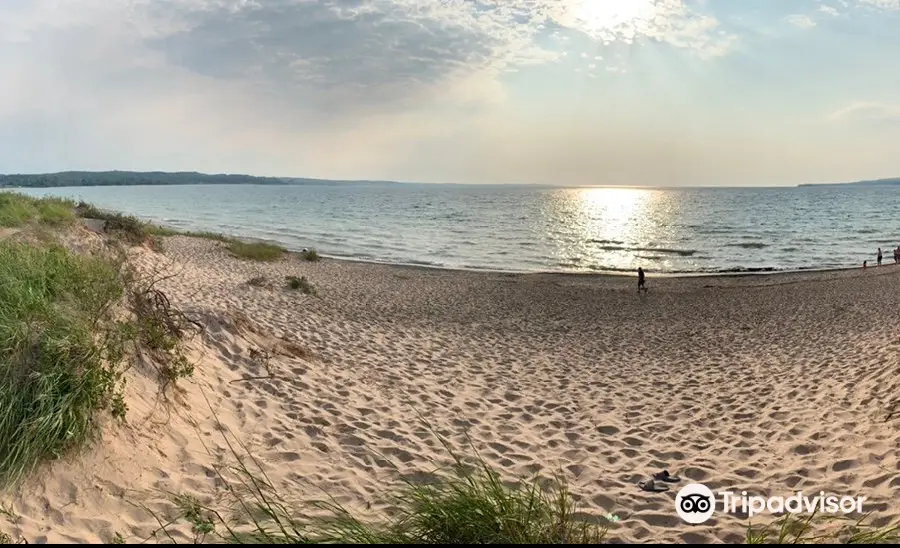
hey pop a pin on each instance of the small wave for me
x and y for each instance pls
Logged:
(421, 263)
(745, 269)
(598, 268)
(667, 251)
(652, 257)
(608, 242)
(790, 249)
(715, 230)
(749, 245)
(681, 252)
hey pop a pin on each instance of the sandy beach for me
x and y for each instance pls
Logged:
(769, 384)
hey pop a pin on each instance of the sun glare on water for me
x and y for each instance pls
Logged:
(615, 228)
(613, 212)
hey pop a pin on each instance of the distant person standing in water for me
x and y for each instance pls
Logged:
(879, 256)
(641, 279)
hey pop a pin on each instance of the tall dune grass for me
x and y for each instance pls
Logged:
(18, 209)
(821, 529)
(57, 368)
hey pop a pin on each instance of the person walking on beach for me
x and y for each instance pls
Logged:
(641, 279)
(879, 256)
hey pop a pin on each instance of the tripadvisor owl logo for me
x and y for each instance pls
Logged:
(695, 503)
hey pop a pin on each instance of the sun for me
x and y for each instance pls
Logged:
(603, 16)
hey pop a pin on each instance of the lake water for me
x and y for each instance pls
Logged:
(521, 228)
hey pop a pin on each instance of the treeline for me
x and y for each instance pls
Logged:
(111, 178)
(875, 182)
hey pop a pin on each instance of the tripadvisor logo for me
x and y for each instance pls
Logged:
(696, 503)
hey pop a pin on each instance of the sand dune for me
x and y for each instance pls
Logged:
(764, 383)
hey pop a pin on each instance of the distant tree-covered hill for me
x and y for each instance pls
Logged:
(109, 178)
(874, 182)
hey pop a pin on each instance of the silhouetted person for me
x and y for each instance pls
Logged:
(879, 256)
(641, 279)
(864, 264)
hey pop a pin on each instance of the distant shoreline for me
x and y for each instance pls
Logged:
(173, 178)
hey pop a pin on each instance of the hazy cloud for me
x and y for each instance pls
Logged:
(868, 111)
(352, 54)
(887, 5)
(801, 21)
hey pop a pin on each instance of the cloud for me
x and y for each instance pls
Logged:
(346, 57)
(867, 111)
(830, 10)
(885, 5)
(801, 21)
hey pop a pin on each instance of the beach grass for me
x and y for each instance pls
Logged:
(208, 235)
(310, 255)
(55, 211)
(820, 529)
(18, 209)
(129, 228)
(458, 507)
(466, 502)
(257, 281)
(256, 251)
(64, 341)
(58, 364)
(157, 230)
(137, 232)
(301, 284)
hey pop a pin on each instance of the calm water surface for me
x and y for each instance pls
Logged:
(521, 228)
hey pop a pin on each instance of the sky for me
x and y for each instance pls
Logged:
(567, 92)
